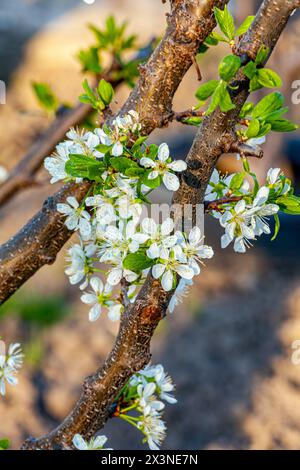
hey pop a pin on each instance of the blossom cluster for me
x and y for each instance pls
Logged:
(109, 222)
(142, 401)
(10, 362)
(243, 211)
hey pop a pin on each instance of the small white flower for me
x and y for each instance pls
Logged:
(147, 400)
(94, 444)
(218, 186)
(77, 217)
(55, 165)
(9, 365)
(169, 267)
(236, 224)
(79, 263)
(160, 167)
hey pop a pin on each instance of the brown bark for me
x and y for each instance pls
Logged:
(131, 350)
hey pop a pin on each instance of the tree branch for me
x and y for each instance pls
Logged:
(131, 350)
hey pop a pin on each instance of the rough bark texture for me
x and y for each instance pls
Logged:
(131, 350)
(187, 19)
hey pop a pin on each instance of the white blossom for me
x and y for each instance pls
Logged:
(160, 167)
(96, 443)
(193, 250)
(77, 217)
(236, 224)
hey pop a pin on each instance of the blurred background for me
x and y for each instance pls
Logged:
(228, 347)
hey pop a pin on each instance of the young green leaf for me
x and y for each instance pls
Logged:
(225, 22)
(262, 55)
(237, 181)
(122, 163)
(289, 204)
(250, 70)
(193, 121)
(225, 101)
(90, 60)
(229, 67)
(45, 96)
(244, 26)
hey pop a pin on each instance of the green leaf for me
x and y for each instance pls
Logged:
(137, 262)
(82, 166)
(206, 90)
(122, 163)
(225, 101)
(289, 204)
(45, 96)
(193, 121)
(253, 129)
(229, 67)
(133, 172)
(225, 22)
(237, 181)
(155, 183)
(268, 105)
(103, 148)
(4, 444)
(268, 78)
(212, 39)
(283, 125)
(106, 91)
(246, 110)
(262, 55)
(277, 227)
(217, 37)
(245, 26)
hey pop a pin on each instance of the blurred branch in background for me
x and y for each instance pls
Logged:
(120, 71)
